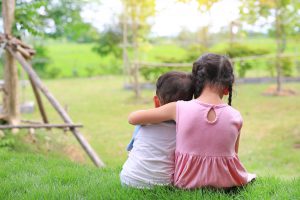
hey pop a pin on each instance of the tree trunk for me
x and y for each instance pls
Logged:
(125, 42)
(135, 66)
(10, 100)
(278, 50)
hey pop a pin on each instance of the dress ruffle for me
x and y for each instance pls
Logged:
(195, 171)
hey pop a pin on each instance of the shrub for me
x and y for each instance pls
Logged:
(151, 74)
(238, 50)
(54, 72)
(194, 51)
(40, 60)
(286, 66)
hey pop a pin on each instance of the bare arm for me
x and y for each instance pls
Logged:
(153, 116)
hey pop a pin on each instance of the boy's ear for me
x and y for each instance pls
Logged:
(156, 101)
(225, 91)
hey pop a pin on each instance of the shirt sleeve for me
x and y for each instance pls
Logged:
(130, 145)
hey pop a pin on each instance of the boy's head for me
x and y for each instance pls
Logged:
(173, 86)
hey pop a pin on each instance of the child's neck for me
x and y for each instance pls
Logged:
(211, 95)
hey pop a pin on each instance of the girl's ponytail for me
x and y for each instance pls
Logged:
(198, 79)
(230, 94)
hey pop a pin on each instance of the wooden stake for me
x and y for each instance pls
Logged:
(37, 81)
(39, 126)
(39, 102)
(10, 99)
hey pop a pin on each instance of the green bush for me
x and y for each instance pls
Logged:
(152, 74)
(194, 52)
(54, 72)
(286, 66)
(6, 142)
(239, 50)
(41, 60)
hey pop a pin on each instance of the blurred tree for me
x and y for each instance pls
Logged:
(202, 34)
(50, 18)
(40, 60)
(204, 5)
(109, 42)
(136, 13)
(286, 22)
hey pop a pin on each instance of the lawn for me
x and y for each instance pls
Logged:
(269, 138)
(29, 176)
(269, 145)
(75, 59)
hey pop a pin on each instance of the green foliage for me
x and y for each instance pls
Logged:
(286, 65)
(238, 50)
(41, 60)
(204, 5)
(109, 43)
(51, 18)
(7, 143)
(54, 72)
(253, 10)
(135, 17)
(194, 52)
(152, 74)
(27, 18)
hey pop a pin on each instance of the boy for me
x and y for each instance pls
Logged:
(151, 160)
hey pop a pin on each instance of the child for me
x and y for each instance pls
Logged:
(151, 160)
(207, 129)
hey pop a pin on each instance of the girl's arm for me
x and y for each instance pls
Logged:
(153, 116)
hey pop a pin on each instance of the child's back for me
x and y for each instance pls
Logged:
(151, 161)
(205, 150)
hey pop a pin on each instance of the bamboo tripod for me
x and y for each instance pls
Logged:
(22, 52)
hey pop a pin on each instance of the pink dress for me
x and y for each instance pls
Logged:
(205, 150)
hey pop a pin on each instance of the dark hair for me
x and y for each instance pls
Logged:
(215, 70)
(174, 86)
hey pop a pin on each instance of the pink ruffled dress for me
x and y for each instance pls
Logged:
(205, 150)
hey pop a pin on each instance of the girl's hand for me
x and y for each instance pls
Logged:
(153, 116)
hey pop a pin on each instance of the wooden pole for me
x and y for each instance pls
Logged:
(39, 102)
(135, 66)
(278, 34)
(37, 81)
(10, 99)
(125, 42)
(37, 126)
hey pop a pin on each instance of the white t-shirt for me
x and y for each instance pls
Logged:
(151, 161)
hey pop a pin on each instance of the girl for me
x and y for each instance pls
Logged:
(207, 129)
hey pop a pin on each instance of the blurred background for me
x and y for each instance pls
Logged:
(101, 58)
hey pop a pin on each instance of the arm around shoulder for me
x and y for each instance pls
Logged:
(153, 116)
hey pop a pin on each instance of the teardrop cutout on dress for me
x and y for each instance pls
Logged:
(211, 116)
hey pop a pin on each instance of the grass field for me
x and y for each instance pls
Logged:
(269, 144)
(29, 176)
(73, 59)
(270, 134)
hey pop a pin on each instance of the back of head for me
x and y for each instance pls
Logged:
(174, 86)
(215, 70)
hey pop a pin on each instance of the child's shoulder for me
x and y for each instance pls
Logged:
(235, 114)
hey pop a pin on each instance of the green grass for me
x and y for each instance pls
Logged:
(269, 136)
(30, 176)
(73, 59)
(269, 144)
(76, 59)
